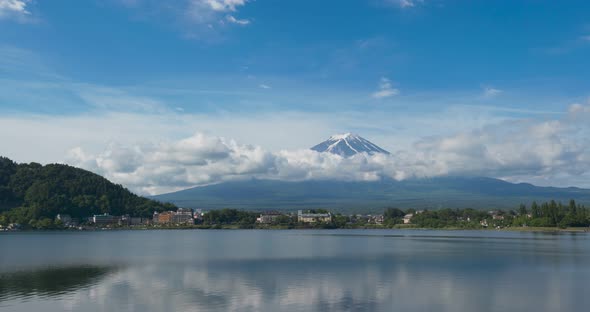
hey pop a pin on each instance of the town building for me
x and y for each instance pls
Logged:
(496, 215)
(408, 217)
(313, 217)
(163, 218)
(268, 217)
(134, 221)
(13, 227)
(183, 216)
(65, 219)
(139, 221)
(105, 219)
(378, 219)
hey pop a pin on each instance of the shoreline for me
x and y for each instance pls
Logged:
(283, 228)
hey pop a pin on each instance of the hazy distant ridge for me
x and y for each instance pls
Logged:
(441, 192)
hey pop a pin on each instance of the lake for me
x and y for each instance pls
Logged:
(298, 270)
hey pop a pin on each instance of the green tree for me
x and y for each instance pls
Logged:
(522, 210)
(393, 213)
(535, 210)
(572, 207)
(3, 220)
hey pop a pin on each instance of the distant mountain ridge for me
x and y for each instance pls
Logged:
(348, 144)
(427, 193)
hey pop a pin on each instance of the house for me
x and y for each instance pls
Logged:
(13, 227)
(408, 218)
(378, 219)
(496, 215)
(313, 217)
(65, 219)
(105, 219)
(268, 217)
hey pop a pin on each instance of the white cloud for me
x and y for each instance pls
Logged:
(549, 152)
(13, 8)
(224, 5)
(404, 3)
(385, 89)
(209, 11)
(490, 92)
(112, 99)
(199, 159)
(196, 19)
(578, 110)
(264, 86)
(585, 38)
(234, 20)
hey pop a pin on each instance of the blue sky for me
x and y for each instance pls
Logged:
(286, 74)
(529, 49)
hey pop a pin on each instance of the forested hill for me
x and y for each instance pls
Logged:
(33, 191)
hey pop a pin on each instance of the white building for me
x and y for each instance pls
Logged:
(408, 218)
(313, 217)
(183, 216)
(64, 218)
(268, 217)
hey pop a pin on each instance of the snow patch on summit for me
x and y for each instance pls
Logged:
(348, 144)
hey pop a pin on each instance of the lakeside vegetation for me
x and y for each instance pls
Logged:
(548, 215)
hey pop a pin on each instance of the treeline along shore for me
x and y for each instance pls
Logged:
(547, 216)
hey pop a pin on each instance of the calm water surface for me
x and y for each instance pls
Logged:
(339, 270)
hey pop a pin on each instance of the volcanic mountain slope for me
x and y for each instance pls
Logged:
(426, 193)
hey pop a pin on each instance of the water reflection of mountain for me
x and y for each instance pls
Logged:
(295, 271)
(332, 284)
(49, 282)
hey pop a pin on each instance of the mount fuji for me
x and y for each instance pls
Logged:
(357, 196)
(348, 144)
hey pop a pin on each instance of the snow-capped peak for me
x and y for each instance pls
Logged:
(343, 136)
(348, 144)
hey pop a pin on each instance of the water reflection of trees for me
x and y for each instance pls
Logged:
(49, 282)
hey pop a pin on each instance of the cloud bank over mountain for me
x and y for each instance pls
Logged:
(548, 152)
